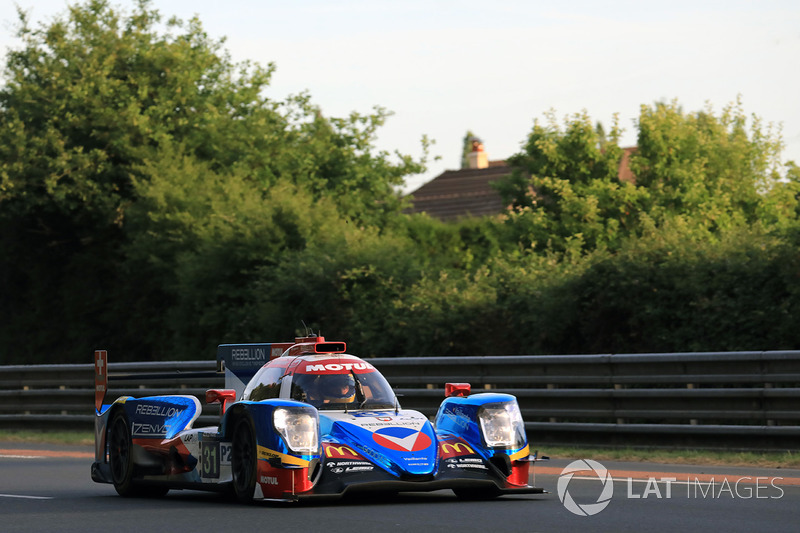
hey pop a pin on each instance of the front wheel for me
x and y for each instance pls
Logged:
(243, 460)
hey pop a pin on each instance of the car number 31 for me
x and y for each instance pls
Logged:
(212, 454)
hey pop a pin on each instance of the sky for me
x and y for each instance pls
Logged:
(445, 67)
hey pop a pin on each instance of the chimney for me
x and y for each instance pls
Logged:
(477, 157)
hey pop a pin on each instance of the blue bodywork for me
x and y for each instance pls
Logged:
(383, 449)
(458, 416)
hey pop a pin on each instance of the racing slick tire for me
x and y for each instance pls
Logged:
(243, 460)
(120, 456)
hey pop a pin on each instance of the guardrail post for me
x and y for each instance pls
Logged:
(618, 386)
(25, 387)
(692, 421)
(764, 405)
(62, 387)
(552, 386)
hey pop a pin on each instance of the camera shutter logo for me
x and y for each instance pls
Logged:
(586, 509)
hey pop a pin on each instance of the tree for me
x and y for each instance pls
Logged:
(91, 96)
(88, 99)
(715, 172)
(712, 168)
(565, 187)
(335, 158)
(466, 148)
(96, 106)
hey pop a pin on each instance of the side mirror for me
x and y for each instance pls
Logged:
(223, 396)
(456, 389)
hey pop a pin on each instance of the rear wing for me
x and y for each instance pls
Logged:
(238, 362)
(100, 378)
(175, 374)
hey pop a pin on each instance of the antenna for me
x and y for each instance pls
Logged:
(309, 332)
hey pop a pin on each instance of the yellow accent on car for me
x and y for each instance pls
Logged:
(267, 454)
(522, 454)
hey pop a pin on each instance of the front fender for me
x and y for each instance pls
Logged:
(271, 446)
(281, 472)
(459, 416)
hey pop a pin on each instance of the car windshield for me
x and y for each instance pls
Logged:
(344, 391)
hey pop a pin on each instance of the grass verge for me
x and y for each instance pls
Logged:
(777, 459)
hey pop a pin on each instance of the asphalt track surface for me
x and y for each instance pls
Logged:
(48, 488)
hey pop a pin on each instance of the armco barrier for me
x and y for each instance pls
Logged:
(727, 399)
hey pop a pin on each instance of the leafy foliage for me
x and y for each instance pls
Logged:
(466, 148)
(566, 189)
(138, 163)
(699, 163)
(154, 201)
(666, 293)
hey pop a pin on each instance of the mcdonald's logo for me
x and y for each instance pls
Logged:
(340, 451)
(455, 449)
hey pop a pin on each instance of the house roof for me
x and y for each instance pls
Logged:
(468, 192)
(460, 193)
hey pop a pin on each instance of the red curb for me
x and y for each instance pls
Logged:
(47, 453)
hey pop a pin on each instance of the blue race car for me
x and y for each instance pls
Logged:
(304, 421)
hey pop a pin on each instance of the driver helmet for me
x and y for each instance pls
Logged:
(338, 388)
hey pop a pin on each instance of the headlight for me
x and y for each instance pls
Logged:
(298, 427)
(501, 424)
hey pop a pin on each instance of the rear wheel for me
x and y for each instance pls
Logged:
(243, 460)
(120, 456)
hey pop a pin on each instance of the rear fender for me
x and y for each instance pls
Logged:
(161, 417)
(101, 422)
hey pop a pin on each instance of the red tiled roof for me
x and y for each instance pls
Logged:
(467, 192)
(460, 193)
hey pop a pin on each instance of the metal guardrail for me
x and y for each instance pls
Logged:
(725, 399)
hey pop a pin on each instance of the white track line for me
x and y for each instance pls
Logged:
(26, 497)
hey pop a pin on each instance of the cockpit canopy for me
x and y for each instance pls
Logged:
(329, 383)
(343, 391)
